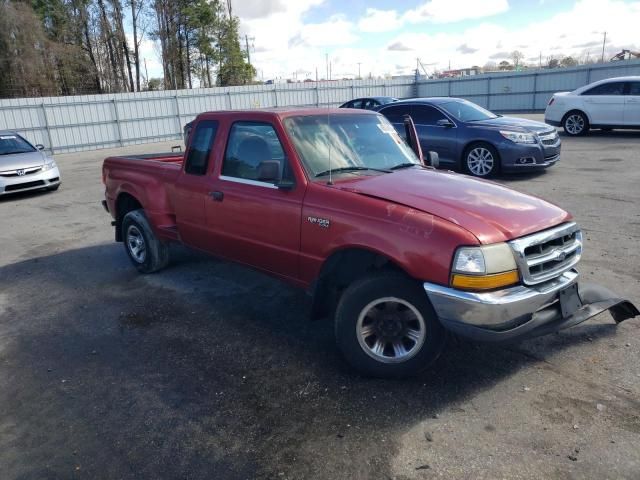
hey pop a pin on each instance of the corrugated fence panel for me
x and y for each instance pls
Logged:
(84, 122)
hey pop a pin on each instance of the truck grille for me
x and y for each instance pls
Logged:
(548, 254)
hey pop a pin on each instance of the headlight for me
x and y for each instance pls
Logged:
(49, 164)
(484, 268)
(519, 137)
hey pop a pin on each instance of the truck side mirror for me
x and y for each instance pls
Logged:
(412, 137)
(269, 171)
(433, 159)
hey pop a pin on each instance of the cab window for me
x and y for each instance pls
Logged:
(254, 152)
(199, 152)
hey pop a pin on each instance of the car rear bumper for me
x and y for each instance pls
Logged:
(522, 312)
(554, 123)
(34, 181)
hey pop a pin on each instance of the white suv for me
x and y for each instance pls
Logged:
(606, 104)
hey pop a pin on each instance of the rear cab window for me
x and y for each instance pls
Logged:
(202, 138)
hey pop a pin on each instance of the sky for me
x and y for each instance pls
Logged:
(293, 38)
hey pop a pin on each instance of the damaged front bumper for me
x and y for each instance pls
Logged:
(522, 312)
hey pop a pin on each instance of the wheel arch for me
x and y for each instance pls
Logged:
(125, 203)
(575, 110)
(342, 268)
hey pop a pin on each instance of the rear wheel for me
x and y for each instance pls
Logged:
(147, 253)
(481, 160)
(575, 124)
(386, 327)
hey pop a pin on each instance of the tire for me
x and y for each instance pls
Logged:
(575, 124)
(383, 315)
(146, 252)
(481, 160)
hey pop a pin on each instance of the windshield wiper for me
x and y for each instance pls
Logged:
(347, 169)
(404, 165)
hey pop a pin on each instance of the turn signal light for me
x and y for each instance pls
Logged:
(484, 282)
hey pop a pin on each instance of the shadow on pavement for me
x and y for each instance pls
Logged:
(205, 370)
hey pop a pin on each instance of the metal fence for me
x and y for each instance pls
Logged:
(87, 122)
(527, 91)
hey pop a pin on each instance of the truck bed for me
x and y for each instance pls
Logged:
(170, 157)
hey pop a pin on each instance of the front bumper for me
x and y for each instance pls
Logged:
(521, 312)
(35, 181)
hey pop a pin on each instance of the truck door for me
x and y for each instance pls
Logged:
(256, 206)
(193, 186)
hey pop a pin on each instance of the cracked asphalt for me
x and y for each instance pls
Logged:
(211, 370)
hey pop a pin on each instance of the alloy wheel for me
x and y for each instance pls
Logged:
(480, 161)
(391, 330)
(136, 244)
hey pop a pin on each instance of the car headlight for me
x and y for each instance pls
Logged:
(484, 268)
(519, 137)
(49, 164)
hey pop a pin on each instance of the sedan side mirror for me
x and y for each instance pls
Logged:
(40, 147)
(269, 171)
(446, 123)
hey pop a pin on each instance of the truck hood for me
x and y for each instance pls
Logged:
(489, 211)
(21, 160)
(513, 122)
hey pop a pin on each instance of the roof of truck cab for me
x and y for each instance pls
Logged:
(284, 112)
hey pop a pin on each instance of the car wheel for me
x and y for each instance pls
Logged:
(386, 327)
(481, 160)
(575, 124)
(147, 253)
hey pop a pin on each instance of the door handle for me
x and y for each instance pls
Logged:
(217, 196)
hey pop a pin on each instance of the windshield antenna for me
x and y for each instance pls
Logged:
(329, 139)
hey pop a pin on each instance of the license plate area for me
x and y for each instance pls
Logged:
(569, 300)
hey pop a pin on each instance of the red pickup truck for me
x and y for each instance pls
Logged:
(338, 203)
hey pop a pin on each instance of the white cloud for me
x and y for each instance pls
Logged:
(447, 11)
(286, 43)
(376, 20)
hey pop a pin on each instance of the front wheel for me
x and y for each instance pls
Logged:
(576, 124)
(481, 160)
(147, 253)
(386, 327)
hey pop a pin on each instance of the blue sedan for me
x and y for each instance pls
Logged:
(474, 140)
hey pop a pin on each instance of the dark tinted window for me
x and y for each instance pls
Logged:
(249, 145)
(396, 113)
(634, 88)
(370, 104)
(425, 115)
(356, 103)
(200, 147)
(613, 88)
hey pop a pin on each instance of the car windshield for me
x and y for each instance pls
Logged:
(12, 144)
(353, 142)
(467, 111)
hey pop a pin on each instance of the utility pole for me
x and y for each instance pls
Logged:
(329, 70)
(326, 60)
(359, 63)
(604, 42)
(540, 62)
(246, 43)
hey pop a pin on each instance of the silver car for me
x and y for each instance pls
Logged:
(25, 167)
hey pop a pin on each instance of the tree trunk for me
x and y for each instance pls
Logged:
(136, 45)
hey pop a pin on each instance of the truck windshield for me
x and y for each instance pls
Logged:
(353, 142)
(467, 111)
(12, 144)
